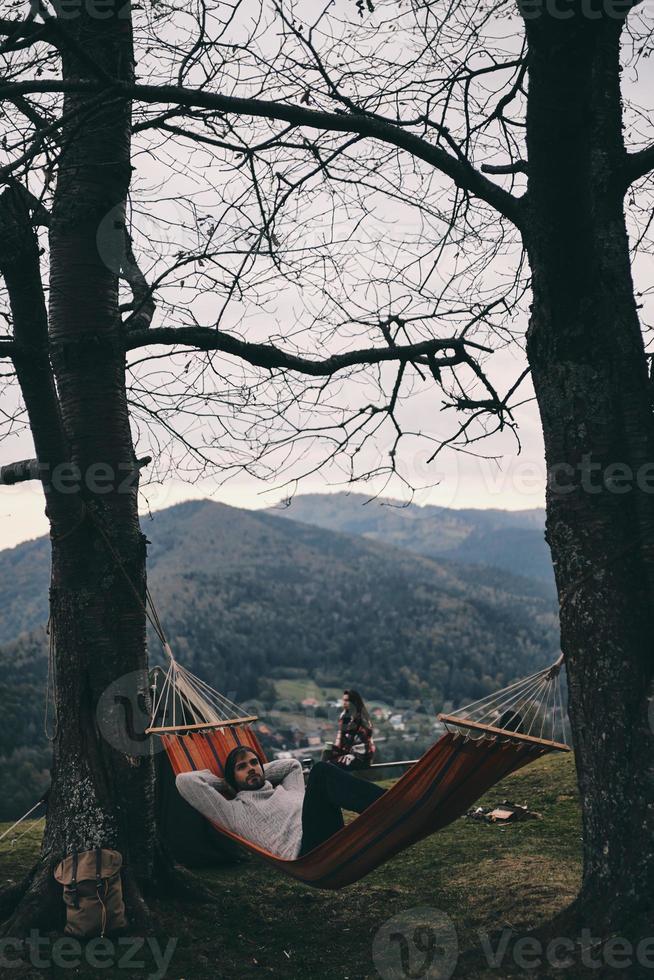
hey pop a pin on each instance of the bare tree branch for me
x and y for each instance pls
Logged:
(20, 472)
(143, 305)
(638, 164)
(518, 167)
(19, 264)
(20, 28)
(21, 34)
(269, 356)
(460, 170)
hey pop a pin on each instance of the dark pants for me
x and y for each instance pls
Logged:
(328, 790)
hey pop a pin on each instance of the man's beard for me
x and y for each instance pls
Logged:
(254, 782)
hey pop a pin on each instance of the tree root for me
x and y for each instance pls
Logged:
(168, 881)
(171, 880)
(11, 896)
(602, 917)
(174, 881)
(37, 904)
(140, 918)
(582, 929)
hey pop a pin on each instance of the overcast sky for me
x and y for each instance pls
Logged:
(513, 482)
(510, 481)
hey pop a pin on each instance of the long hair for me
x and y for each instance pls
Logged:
(360, 710)
(230, 763)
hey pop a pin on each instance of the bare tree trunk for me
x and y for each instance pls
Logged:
(99, 796)
(588, 364)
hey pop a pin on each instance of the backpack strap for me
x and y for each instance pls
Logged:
(101, 889)
(73, 883)
(101, 884)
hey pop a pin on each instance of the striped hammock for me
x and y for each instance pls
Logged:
(483, 742)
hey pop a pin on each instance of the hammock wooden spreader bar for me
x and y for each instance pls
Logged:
(202, 726)
(441, 786)
(473, 726)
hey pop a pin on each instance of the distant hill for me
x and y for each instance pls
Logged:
(245, 595)
(24, 588)
(241, 592)
(510, 540)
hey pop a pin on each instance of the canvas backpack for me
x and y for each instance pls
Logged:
(93, 892)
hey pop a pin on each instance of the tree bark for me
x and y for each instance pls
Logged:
(99, 796)
(20, 267)
(589, 369)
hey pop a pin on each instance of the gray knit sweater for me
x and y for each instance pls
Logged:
(270, 817)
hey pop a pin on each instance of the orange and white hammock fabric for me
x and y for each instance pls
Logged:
(199, 727)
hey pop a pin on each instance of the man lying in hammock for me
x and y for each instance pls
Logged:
(272, 808)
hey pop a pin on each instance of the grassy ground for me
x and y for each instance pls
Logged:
(476, 879)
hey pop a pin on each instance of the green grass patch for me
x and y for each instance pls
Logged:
(483, 876)
(297, 689)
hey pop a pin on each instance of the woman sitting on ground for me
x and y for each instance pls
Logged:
(353, 747)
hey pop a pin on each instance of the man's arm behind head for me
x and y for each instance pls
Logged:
(204, 791)
(287, 772)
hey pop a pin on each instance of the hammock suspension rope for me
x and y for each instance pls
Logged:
(14, 840)
(532, 708)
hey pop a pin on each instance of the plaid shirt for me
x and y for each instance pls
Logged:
(353, 732)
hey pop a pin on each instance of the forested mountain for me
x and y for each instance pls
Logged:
(244, 595)
(24, 588)
(24, 748)
(510, 540)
